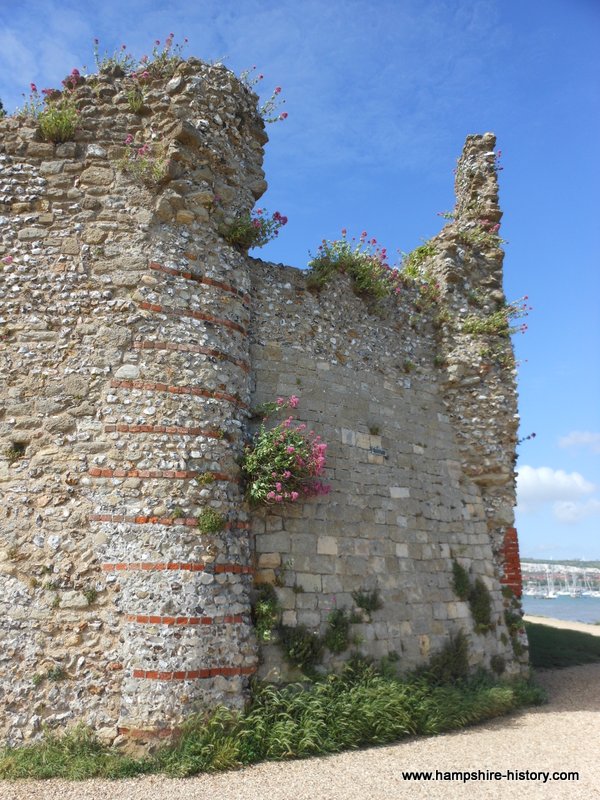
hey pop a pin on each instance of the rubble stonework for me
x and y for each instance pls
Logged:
(133, 343)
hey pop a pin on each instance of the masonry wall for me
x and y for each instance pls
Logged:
(421, 423)
(133, 343)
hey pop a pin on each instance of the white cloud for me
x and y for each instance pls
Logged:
(539, 485)
(581, 439)
(570, 512)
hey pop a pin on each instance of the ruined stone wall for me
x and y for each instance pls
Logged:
(134, 341)
(421, 422)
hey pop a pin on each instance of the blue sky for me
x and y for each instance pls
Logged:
(380, 96)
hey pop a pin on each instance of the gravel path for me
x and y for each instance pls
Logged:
(564, 736)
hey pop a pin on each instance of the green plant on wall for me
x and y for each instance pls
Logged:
(265, 612)
(253, 229)
(477, 594)
(368, 601)
(146, 162)
(302, 648)
(337, 636)
(480, 603)
(364, 261)
(210, 521)
(460, 581)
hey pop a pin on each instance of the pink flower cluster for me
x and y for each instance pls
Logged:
(71, 81)
(286, 464)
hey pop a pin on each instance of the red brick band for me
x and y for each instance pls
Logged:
(512, 563)
(187, 312)
(192, 276)
(189, 522)
(153, 619)
(192, 348)
(170, 429)
(192, 674)
(182, 566)
(181, 474)
(165, 387)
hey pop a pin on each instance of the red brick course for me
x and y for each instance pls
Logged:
(192, 276)
(191, 348)
(157, 619)
(187, 312)
(170, 429)
(97, 472)
(192, 674)
(182, 566)
(190, 522)
(165, 387)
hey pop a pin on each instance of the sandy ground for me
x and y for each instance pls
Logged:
(563, 736)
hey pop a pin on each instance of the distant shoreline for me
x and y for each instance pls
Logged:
(582, 627)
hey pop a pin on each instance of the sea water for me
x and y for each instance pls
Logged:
(576, 609)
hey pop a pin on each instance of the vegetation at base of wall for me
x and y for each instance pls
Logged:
(301, 647)
(498, 664)
(356, 709)
(554, 648)
(451, 664)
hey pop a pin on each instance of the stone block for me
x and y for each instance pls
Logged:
(327, 545)
(309, 582)
(97, 176)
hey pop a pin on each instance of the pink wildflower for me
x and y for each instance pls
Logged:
(33, 87)
(280, 401)
(283, 115)
(7, 259)
(294, 496)
(129, 138)
(277, 89)
(293, 401)
(290, 449)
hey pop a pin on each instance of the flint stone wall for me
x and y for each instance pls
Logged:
(134, 341)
